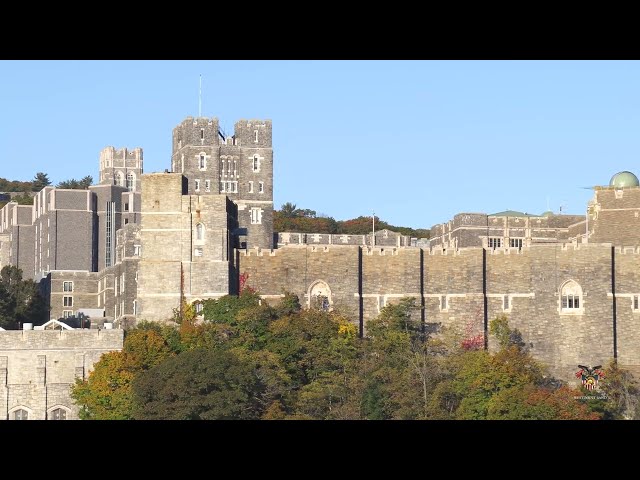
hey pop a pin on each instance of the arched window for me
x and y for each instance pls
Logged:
(571, 297)
(57, 413)
(320, 296)
(199, 232)
(20, 413)
(131, 181)
(119, 179)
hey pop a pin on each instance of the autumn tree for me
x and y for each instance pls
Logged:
(107, 393)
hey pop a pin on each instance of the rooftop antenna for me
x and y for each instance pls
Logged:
(200, 98)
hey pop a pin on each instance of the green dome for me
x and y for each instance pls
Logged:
(624, 179)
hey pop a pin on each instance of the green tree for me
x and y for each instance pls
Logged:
(40, 181)
(74, 184)
(20, 300)
(199, 384)
(107, 393)
(23, 199)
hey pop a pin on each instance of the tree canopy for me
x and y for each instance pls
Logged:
(20, 300)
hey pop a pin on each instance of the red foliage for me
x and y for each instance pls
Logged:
(472, 341)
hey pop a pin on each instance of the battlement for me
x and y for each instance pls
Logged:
(122, 154)
(100, 339)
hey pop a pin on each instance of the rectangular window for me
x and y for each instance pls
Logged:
(495, 242)
(256, 216)
(67, 313)
(122, 283)
(261, 187)
(203, 164)
(515, 243)
(234, 187)
(255, 136)
(207, 185)
(135, 307)
(197, 185)
(222, 184)
(198, 252)
(67, 301)
(570, 302)
(505, 303)
(235, 169)
(444, 302)
(126, 221)
(67, 286)
(636, 301)
(256, 163)
(229, 187)
(137, 250)
(199, 308)
(222, 172)
(126, 207)
(250, 187)
(202, 134)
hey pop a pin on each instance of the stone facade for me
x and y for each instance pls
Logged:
(38, 368)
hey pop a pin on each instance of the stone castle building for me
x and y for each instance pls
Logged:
(132, 246)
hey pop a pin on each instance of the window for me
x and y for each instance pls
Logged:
(199, 232)
(67, 302)
(119, 180)
(444, 302)
(207, 185)
(235, 169)
(571, 297)
(126, 221)
(197, 185)
(21, 414)
(222, 185)
(58, 414)
(137, 250)
(198, 252)
(135, 307)
(505, 303)
(256, 163)
(131, 181)
(255, 136)
(122, 283)
(261, 187)
(67, 313)
(495, 242)
(67, 286)
(250, 187)
(636, 302)
(222, 174)
(199, 307)
(515, 243)
(203, 163)
(229, 187)
(202, 134)
(126, 207)
(256, 216)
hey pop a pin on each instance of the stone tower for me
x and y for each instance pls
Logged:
(238, 166)
(121, 167)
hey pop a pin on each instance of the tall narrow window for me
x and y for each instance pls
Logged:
(636, 301)
(135, 307)
(261, 187)
(256, 216)
(203, 163)
(250, 187)
(207, 185)
(202, 134)
(222, 167)
(235, 169)
(131, 181)
(505, 303)
(199, 232)
(197, 182)
(119, 180)
(255, 136)
(256, 163)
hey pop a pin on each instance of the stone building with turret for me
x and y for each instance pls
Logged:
(134, 245)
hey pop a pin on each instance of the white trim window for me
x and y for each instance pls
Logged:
(260, 187)
(67, 286)
(571, 298)
(67, 301)
(636, 303)
(198, 252)
(207, 185)
(256, 216)
(256, 163)
(516, 243)
(67, 313)
(202, 161)
(255, 136)
(197, 185)
(494, 242)
(250, 187)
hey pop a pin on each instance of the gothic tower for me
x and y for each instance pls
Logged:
(238, 166)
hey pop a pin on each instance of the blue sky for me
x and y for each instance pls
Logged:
(416, 141)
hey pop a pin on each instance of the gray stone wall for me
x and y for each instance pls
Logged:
(38, 368)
